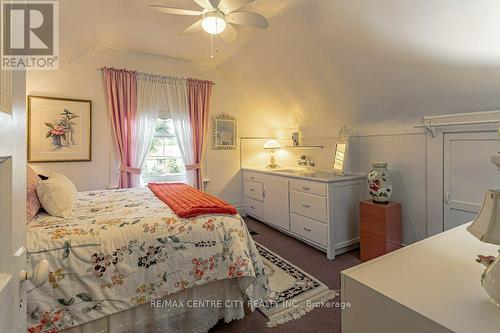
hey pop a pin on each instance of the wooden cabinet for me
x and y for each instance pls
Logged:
(380, 228)
(322, 213)
(266, 198)
(310, 205)
(276, 201)
(310, 229)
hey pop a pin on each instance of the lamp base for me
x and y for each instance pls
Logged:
(272, 166)
(489, 279)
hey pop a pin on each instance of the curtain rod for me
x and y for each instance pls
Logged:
(160, 76)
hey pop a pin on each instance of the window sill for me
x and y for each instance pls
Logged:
(163, 179)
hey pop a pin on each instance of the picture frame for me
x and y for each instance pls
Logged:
(341, 151)
(340, 159)
(224, 130)
(59, 129)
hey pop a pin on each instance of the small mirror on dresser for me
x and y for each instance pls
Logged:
(341, 151)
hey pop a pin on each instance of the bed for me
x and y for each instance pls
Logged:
(125, 262)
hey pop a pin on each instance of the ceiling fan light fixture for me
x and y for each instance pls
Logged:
(213, 22)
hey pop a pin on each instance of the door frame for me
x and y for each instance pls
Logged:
(466, 206)
(435, 158)
(13, 196)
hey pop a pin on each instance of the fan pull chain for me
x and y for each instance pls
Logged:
(211, 46)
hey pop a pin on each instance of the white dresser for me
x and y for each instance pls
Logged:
(430, 286)
(318, 208)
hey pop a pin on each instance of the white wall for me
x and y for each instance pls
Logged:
(406, 155)
(379, 66)
(323, 63)
(82, 79)
(405, 151)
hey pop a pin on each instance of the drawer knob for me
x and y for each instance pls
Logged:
(252, 190)
(306, 188)
(253, 178)
(307, 229)
(306, 205)
(253, 207)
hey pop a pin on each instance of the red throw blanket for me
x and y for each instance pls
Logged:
(187, 201)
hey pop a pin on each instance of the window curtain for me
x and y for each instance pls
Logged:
(149, 102)
(199, 93)
(121, 94)
(135, 101)
(178, 105)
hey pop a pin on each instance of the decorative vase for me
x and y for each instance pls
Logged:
(56, 140)
(380, 182)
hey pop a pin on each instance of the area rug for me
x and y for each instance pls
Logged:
(294, 292)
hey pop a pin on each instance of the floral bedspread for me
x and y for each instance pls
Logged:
(124, 248)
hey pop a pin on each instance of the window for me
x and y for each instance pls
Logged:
(164, 161)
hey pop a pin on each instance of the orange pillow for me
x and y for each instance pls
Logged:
(32, 202)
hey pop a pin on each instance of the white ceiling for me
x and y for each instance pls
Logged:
(132, 25)
(332, 61)
(322, 61)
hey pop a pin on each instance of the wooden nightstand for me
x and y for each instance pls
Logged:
(380, 228)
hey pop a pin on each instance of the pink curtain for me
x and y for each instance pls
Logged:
(199, 107)
(121, 94)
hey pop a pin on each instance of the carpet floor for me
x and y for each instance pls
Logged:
(310, 260)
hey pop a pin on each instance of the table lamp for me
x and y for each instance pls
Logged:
(272, 145)
(486, 227)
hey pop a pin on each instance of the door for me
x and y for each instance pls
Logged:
(12, 201)
(276, 206)
(467, 174)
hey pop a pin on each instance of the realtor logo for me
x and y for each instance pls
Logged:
(30, 35)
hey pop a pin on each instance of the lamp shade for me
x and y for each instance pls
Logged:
(272, 144)
(486, 225)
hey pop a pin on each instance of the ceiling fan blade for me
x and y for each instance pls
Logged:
(228, 6)
(195, 27)
(248, 19)
(175, 11)
(204, 4)
(229, 34)
(215, 3)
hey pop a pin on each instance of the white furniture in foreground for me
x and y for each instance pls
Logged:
(429, 286)
(318, 208)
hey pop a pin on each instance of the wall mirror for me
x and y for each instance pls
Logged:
(341, 151)
(224, 132)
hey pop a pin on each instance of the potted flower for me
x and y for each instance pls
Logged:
(62, 131)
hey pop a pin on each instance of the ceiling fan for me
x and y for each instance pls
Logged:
(218, 17)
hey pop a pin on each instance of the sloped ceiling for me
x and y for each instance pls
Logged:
(132, 25)
(323, 62)
(329, 62)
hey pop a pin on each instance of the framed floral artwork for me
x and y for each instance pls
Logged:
(59, 129)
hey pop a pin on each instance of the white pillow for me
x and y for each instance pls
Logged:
(57, 195)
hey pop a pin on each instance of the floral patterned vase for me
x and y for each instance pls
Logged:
(380, 182)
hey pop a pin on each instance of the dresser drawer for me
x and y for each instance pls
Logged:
(253, 176)
(253, 190)
(312, 230)
(308, 187)
(254, 208)
(309, 205)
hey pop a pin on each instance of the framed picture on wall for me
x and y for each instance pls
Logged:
(59, 129)
(224, 132)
